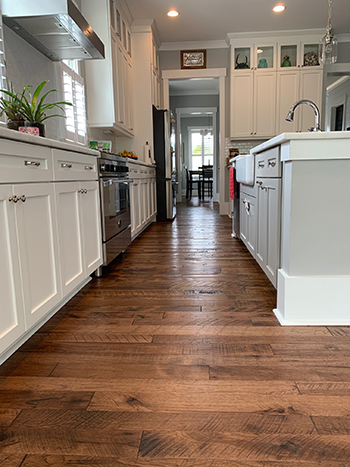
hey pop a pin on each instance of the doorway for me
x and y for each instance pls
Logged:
(199, 95)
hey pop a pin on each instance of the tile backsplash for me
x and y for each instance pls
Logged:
(243, 146)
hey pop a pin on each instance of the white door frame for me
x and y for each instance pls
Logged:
(207, 73)
(182, 113)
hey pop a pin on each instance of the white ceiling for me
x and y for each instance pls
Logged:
(207, 20)
(191, 87)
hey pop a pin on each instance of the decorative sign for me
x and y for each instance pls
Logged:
(193, 59)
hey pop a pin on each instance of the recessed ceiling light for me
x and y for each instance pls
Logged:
(279, 8)
(173, 13)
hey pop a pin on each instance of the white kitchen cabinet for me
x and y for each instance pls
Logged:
(242, 101)
(143, 204)
(109, 81)
(262, 90)
(264, 103)
(36, 227)
(310, 88)
(287, 94)
(268, 226)
(12, 319)
(79, 231)
(248, 222)
(253, 103)
(50, 239)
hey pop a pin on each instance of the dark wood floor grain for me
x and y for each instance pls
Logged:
(175, 359)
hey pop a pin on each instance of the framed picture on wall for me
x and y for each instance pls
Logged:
(193, 59)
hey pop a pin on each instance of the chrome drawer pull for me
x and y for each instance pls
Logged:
(81, 191)
(14, 199)
(272, 163)
(35, 163)
(261, 165)
(88, 167)
(259, 182)
(66, 166)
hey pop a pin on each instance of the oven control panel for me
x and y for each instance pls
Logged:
(112, 165)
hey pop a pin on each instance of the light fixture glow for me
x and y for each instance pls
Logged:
(259, 51)
(278, 8)
(173, 13)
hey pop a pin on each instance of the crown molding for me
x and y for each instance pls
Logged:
(186, 74)
(284, 33)
(195, 45)
(146, 26)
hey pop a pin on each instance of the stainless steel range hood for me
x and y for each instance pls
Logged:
(56, 28)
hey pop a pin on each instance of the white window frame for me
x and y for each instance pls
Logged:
(3, 81)
(198, 129)
(74, 136)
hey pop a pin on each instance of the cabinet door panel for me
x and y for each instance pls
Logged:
(91, 226)
(69, 230)
(310, 88)
(265, 103)
(242, 104)
(12, 321)
(287, 94)
(268, 229)
(36, 226)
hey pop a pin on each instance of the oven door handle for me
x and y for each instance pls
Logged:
(115, 180)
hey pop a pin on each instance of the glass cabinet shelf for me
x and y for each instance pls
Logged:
(310, 56)
(289, 56)
(264, 57)
(242, 58)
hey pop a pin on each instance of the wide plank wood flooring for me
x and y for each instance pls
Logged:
(174, 358)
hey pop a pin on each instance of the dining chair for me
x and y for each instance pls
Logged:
(207, 180)
(193, 181)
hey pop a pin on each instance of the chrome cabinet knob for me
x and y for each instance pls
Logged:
(14, 199)
(23, 198)
(88, 167)
(66, 166)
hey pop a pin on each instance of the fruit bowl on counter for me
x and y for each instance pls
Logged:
(128, 154)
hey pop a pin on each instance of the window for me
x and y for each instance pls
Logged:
(3, 83)
(202, 147)
(74, 91)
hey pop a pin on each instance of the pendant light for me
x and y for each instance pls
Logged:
(328, 47)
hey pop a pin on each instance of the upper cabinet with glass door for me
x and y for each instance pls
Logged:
(296, 53)
(259, 56)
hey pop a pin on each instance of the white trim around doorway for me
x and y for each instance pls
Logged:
(206, 73)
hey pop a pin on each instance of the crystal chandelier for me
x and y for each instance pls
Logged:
(328, 47)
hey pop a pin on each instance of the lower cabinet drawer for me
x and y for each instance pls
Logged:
(268, 164)
(22, 162)
(74, 166)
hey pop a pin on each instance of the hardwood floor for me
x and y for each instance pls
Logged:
(175, 359)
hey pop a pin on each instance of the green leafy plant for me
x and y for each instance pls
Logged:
(32, 108)
(12, 107)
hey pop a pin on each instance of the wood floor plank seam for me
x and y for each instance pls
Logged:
(174, 358)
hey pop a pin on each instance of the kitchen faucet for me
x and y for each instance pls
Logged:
(290, 116)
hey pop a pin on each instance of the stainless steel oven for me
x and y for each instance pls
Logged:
(115, 206)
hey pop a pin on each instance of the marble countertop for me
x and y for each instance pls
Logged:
(317, 139)
(14, 135)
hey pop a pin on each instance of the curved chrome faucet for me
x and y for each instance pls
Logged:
(290, 116)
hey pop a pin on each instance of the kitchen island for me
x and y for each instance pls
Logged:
(313, 277)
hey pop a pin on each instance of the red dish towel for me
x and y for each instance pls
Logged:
(232, 182)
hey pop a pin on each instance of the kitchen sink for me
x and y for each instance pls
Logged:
(245, 169)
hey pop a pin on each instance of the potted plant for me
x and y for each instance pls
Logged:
(11, 107)
(34, 109)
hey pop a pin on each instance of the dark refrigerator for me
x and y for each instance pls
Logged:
(165, 169)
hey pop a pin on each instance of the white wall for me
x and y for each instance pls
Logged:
(25, 65)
